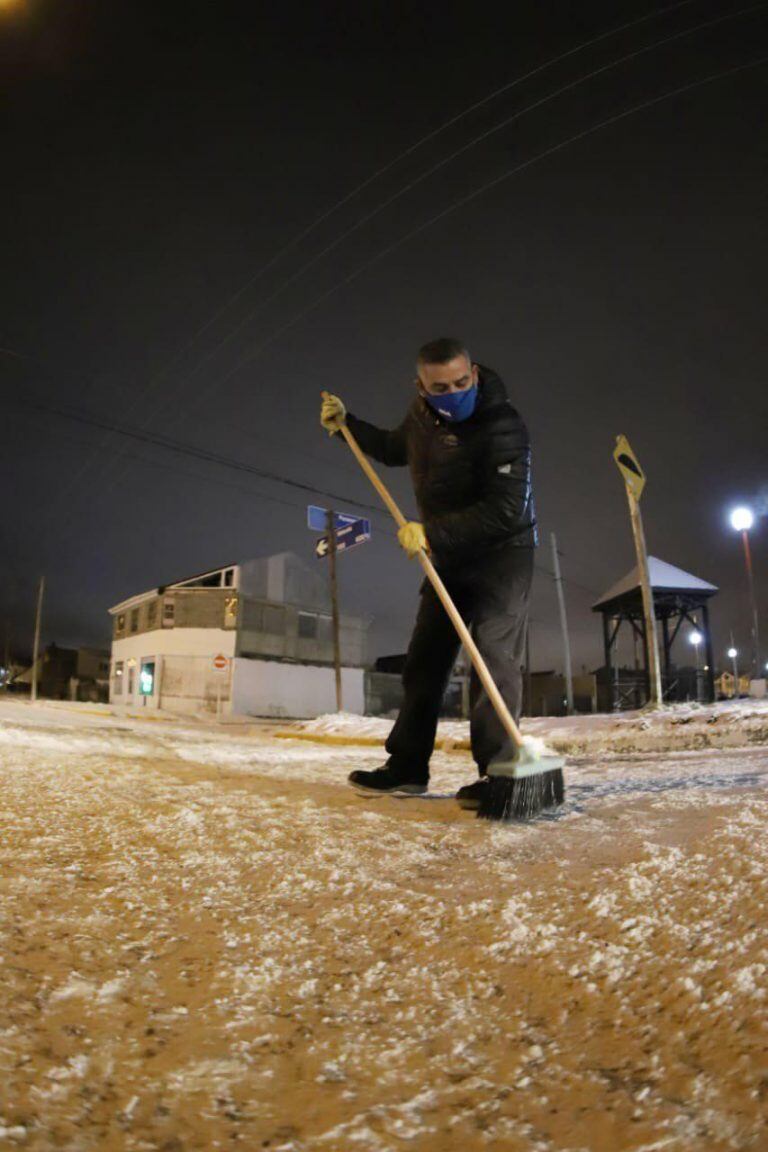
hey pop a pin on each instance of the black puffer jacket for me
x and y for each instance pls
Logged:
(472, 479)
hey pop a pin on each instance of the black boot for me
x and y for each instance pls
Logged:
(390, 778)
(471, 795)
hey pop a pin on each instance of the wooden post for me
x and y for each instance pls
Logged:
(564, 626)
(651, 638)
(331, 518)
(36, 645)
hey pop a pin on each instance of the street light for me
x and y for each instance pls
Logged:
(696, 638)
(742, 520)
(733, 653)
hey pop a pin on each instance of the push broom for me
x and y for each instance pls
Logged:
(529, 780)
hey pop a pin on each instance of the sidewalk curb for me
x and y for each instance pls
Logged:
(443, 744)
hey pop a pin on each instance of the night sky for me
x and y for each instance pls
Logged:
(157, 157)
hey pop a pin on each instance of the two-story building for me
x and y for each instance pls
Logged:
(252, 639)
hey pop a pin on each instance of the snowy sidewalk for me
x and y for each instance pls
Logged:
(210, 941)
(679, 727)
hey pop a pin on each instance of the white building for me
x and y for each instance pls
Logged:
(250, 639)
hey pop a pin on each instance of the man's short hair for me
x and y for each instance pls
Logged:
(442, 351)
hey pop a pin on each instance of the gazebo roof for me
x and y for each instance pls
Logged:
(666, 581)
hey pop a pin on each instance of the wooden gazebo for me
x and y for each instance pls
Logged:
(677, 595)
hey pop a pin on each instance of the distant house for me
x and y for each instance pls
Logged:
(253, 638)
(69, 674)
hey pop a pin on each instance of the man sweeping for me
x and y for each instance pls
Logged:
(470, 460)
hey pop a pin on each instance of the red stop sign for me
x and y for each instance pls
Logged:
(220, 662)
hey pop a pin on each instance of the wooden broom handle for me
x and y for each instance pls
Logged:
(432, 575)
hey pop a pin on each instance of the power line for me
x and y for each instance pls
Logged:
(433, 134)
(182, 448)
(91, 420)
(408, 187)
(177, 446)
(253, 493)
(81, 377)
(411, 184)
(479, 191)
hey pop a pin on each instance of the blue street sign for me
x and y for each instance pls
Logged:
(317, 518)
(347, 537)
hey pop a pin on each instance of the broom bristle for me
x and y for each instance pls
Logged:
(510, 798)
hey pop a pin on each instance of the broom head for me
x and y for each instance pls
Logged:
(523, 784)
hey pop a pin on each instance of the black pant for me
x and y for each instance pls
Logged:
(493, 600)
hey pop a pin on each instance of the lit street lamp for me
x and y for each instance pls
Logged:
(696, 638)
(742, 520)
(733, 653)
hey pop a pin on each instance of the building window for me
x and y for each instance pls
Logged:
(134, 620)
(129, 689)
(169, 612)
(152, 614)
(120, 623)
(307, 626)
(229, 577)
(230, 612)
(117, 688)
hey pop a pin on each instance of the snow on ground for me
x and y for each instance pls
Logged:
(676, 727)
(209, 941)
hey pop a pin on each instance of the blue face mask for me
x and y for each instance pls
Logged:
(454, 406)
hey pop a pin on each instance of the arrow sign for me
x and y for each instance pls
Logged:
(317, 519)
(347, 537)
(629, 466)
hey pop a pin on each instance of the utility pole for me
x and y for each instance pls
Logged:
(743, 520)
(564, 626)
(753, 604)
(331, 517)
(36, 646)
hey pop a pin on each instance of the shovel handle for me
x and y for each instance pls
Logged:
(432, 575)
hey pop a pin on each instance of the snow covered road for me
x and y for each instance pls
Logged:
(209, 941)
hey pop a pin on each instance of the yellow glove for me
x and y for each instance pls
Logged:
(332, 413)
(412, 538)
